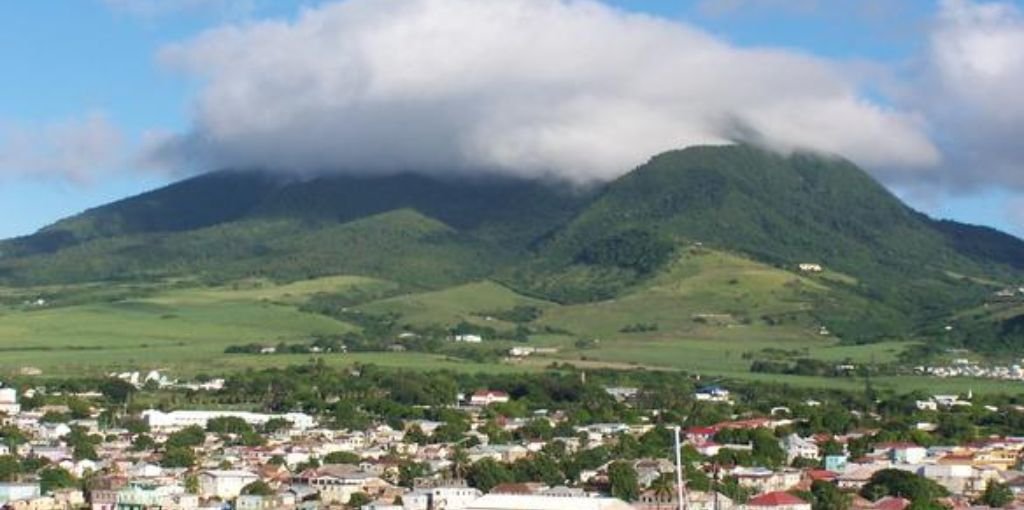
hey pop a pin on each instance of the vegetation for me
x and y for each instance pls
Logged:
(685, 263)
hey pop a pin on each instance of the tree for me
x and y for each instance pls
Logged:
(357, 500)
(117, 390)
(178, 457)
(996, 495)
(663, 488)
(408, 472)
(415, 435)
(460, 463)
(192, 483)
(143, 443)
(488, 473)
(55, 417)
(258, 488)
(895, 482)
(228, 425)
(190, 436)
(341, 458)
(10, 468)
(53, 478)
(622, 480)
(826, 496)
(275, 425)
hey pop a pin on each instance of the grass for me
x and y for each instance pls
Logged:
(467, 302)
(147, 333)
(709, 308)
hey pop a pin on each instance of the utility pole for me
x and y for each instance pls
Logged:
(680, 488)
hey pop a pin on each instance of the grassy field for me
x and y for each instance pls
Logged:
(709, 309)
(470, 302)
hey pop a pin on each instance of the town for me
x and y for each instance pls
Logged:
(562, 440)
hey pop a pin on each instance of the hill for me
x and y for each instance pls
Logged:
(889, 271)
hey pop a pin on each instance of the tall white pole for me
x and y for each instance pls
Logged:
(680, 495)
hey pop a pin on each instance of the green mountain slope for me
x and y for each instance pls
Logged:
(783, 211)
(890, 271)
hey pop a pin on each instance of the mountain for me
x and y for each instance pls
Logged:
(892, 271)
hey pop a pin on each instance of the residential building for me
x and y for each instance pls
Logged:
(224, 484)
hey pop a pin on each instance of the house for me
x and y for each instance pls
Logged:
(17, 492)
(453, 497)
(335, 483)
(810, 268)
(176, 420)
(517, 502)
(485, 398)
(224, 484)
(700, 434)
(778, 500)
(903, 453)
(799, 448)
(9, 401)
(712, 394)
(695, 500)
(467, 338)
(144, 496)
(836, 463)
(254, 502)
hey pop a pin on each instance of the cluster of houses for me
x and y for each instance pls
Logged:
(965, 368)
(140, 379)
(288, 468)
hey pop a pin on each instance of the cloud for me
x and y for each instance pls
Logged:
(1015, 213)
(78, 148)
(158, 8)
(970, 91)
(534, 87)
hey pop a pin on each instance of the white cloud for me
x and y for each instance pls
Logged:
(78, 148)
(574, 88)
(970, 91)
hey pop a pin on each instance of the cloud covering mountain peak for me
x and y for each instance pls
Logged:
(573, 89)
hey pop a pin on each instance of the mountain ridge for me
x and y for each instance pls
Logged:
(545, 240)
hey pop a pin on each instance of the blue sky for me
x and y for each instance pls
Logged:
(72, 62)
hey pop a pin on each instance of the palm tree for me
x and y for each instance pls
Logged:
(460, 462)
(663, 489)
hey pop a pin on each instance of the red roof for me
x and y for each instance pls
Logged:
(750, 423)
(778, 498)
(822, 474)
(702, 431)
(891, 503)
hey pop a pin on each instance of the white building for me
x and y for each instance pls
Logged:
(449, 498)
(798, 447)
(224, 484)
(488, 397)
(175, 420)
(522, 502)
(469, 339)
(9, 402)
(712, 394)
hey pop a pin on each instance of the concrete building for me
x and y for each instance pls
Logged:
(174, 420)
(449, 498)
(224, 484)
(9, 402)
(520, 502)
(17, 492)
